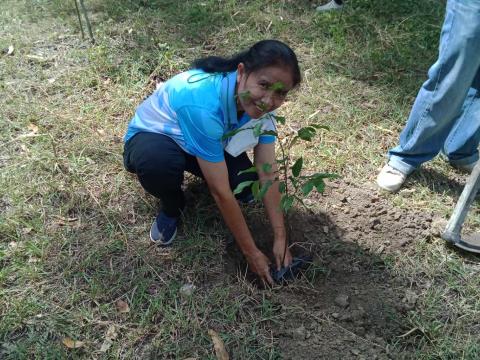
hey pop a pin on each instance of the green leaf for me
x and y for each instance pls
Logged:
(252, 169)
(306, 133)
(320, 186)
(242, 186)
(307, 188)
(280, 119)
(297, 167)
(286, 203)
(265, 186)
(269, 132)
(282, 187)
(278, 86)
(257, 130)
(245, 95)
(256, 189)
(267, 167)
(318, 127)
(318, 180)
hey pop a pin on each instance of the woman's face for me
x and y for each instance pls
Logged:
(263, 90)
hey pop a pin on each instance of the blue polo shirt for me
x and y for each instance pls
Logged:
(195, 109)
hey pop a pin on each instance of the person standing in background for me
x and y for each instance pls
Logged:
(446, 113)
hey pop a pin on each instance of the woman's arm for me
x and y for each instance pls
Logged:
(216, 176)
(265, 154)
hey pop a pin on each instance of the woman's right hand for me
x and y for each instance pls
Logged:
(260, 265)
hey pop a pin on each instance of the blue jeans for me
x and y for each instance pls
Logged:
(446, 113)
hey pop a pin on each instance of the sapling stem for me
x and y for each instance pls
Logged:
(292, 185)
(287, 222)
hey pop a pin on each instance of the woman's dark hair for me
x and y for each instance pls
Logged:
(262, 54)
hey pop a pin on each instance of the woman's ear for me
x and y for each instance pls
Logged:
(240, 71)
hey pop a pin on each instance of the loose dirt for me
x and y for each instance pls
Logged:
(348, 305)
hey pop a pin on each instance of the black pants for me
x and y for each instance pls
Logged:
(160, 165)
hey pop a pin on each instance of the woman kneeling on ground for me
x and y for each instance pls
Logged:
(181, 127)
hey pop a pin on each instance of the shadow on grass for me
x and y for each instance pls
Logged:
(439, 182)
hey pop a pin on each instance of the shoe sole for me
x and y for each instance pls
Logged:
(390, 190)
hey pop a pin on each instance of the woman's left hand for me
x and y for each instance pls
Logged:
(281, 253)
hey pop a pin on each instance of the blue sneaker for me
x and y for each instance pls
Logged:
(163, 229)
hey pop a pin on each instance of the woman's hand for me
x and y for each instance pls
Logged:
(260, 265)
(281, 253)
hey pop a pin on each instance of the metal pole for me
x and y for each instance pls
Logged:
(453, 230)
(89, 27)
(79, 19)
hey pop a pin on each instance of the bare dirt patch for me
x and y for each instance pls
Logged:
(348, 304)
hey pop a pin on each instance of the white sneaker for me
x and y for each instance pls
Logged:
(390, 179)
(332, 5)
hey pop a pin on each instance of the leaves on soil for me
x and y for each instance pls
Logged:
(218, 345)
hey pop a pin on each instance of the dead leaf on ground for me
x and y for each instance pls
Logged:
(122, 306)
(63, 221)
(26, 230)
(110, 335)
(33, 128)
(37, 58)
(218, 345)
(72, 344)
